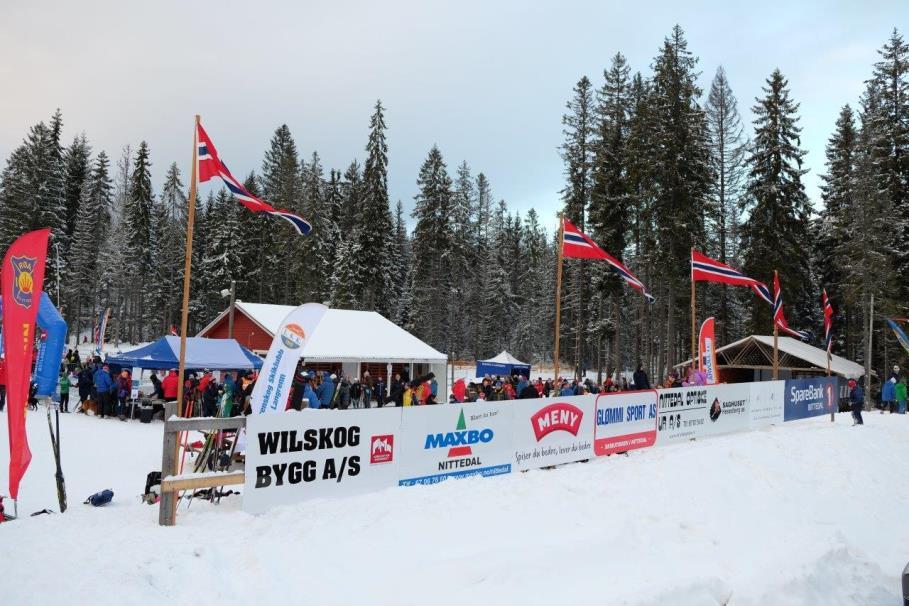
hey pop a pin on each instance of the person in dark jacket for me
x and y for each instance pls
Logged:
(380, 392)
(344, 393)
(640, 379)
(857, 400)
(86, 382)
(529, 391)
(397, 390)
(156, 384)
(210, 397)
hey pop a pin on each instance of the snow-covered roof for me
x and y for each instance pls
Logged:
(346, 335)
(506, 358)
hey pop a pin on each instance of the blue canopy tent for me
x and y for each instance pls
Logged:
(214, 354)
(503, 364)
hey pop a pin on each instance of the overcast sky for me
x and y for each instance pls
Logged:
(486, 81)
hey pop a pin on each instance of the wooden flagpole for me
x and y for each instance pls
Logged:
(776, 345)
(558, 300)
(187, 268)
(693, 318)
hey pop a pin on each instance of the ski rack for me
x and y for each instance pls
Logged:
(171, 483)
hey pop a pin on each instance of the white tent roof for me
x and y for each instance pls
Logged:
(505, 358)
(346, 335)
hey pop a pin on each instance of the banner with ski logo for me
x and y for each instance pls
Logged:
(273, 385)
(707, 351)
(22, 278)
(577, 245)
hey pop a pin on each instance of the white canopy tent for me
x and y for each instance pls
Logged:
(355, 339)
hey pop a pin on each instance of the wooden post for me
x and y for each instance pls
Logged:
(558, 300)
(868, 354)
(693, 317)
(184, 318)
(837, 399)
(167, 506)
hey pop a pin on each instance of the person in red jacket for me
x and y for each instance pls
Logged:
(169, 385)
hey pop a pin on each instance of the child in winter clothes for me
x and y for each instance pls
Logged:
(900, 393)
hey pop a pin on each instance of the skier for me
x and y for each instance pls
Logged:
(857, 399)
(64, 391)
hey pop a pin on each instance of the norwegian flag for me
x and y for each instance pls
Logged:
(779, 318)
(576, 245)
(705, 269)
(210, 166)
(173, 330)
(828, 323)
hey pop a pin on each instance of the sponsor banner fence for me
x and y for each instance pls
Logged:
(439, 442)
(625, 421)
(766, 406)
(686, 413)
(296, 456)
(551, 431)
(807, 398)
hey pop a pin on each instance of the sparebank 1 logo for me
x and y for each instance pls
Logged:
(458, 443)
(293, 336)
(556, 417)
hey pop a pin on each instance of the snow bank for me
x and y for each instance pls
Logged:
(806, 513)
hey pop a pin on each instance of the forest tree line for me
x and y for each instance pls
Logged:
(653, 167)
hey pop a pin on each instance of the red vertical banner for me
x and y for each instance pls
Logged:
(707, 351)
(22, 277)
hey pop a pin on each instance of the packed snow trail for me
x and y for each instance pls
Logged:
(805, 513)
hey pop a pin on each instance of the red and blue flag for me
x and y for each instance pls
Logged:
(828, 322)
(705, 269)
(779, 318)
(210, 166)
(577, 245)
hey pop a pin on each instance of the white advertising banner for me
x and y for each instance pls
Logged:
(625, 421)
(551, 431)
(273, 385)
(454, 441)
(696, 412)
(767, 403)
(300, 455)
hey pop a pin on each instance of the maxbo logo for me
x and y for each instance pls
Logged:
(556, 417)
(459, 441)
(381, 449)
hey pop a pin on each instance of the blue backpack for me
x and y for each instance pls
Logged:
(100, 498)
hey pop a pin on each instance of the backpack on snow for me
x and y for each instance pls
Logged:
(100, 498)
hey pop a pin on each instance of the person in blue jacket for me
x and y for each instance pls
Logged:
(104, 384)
(326, 390)
(311, 395)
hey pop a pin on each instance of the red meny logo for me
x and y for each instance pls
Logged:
(381, 449)
(556, 417)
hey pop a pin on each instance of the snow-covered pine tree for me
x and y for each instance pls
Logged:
(170, 250)
(775, 233)
(201, 305)
(92, 231)
(258, 257)
(838, 193)
(461, 266)
(113, 251)
(609, 203)
(400, 261)
(532, 338)
(320, 255)
(221, 260)
(77, 167)
(727, 146)
(431, 245)
(282, 187)
(477, 299)
(681, 171)
(138, 225)
(890, 152)
(577, 154)
(375, 221)
(352, 200)
(346, 275)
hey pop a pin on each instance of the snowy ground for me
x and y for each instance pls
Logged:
(806, 513)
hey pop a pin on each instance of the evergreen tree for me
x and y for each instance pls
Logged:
(137, 225)
(727, 164)
(681, 171)
(774, 236)
(577, 154)
(460, 263)
(320, 254)
(400, 259)
(258, 256)
(171, 214)
(221, 259)
(375, 217)
(431, 245)
(77, 163)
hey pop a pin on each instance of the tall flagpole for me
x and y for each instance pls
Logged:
(693, 315)
(187, 268)
(558, 298)
(776, 345)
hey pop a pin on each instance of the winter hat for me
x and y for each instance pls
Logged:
(852, 383)
(333, 377)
